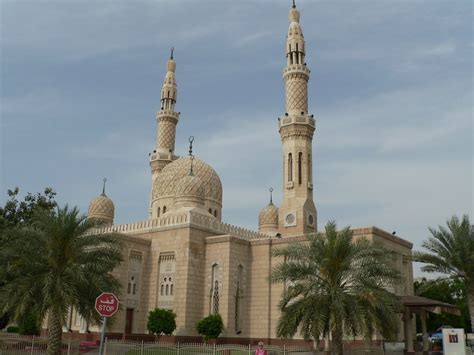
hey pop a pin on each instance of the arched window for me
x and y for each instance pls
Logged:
(290, 167)
(171, 290)
(162, 289)
(164, 209)
(300, 162)
(158, 212)
(215, 213)
(214, 290)
(210, 210)
(134, 288)
(238, 295)
(310, 168)
(129, 287)
(167, 290)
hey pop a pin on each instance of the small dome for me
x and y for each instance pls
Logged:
(191, 186)
(268, 216)
(102, 208)
(171, 65)
(294, 15)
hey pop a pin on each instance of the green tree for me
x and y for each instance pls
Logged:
(60, 261)
(448, 291)
(14, 214)
(450, 251)
(210, 327)
(336, 285)
(17, 213)
(161, 321)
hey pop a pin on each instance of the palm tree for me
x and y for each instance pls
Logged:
(337, 286)
(451, 251)
(57, 263)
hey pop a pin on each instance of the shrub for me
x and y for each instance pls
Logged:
(12, 329)
(210, 327)
(161, 321)
(29, 325)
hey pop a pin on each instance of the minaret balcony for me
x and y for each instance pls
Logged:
(292, 119)
(161, 156)
(296, 69)
(167, 113)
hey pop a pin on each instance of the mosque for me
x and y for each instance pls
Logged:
(186, 259)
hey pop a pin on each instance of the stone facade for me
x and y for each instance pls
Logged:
(184, 258)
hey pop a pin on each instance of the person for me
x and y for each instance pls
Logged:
(260, 349)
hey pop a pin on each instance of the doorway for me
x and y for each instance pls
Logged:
(129, 321)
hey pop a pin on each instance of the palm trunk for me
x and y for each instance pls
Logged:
(337, 342)
(470, 303)
(55, 333)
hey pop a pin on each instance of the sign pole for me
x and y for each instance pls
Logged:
(102, 337)
(106, 304)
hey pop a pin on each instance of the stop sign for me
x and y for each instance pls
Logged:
(106, 304)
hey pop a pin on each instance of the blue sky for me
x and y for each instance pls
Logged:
(391, 88)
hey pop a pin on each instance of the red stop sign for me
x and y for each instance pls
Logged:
(106, 304)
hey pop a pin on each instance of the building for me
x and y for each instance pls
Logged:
(185, 258)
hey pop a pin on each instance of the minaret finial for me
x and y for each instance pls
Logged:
(103, 187)
(191, 172)
(271, 195)
(172, 51)
(294, 5)
(191, 140)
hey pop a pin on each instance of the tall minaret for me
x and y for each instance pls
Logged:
(167, 119)
(297, 214)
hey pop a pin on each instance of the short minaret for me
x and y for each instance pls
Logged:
(167, 119)
(297, 214)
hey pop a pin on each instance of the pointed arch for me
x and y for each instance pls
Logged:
(290, 167)
(300, 168)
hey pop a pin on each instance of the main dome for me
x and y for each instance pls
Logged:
(166, 182)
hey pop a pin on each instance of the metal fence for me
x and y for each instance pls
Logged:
(160, 348)
(14, 344)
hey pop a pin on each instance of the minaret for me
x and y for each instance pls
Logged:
(167, 119)
(297, 214)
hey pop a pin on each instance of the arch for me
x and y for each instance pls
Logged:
(164, 209)
(214, 304)
(167, 290)
(158, 211)
(310, 169)
(209, 210)
(290, 167)
(238, 295)
(171, 290)
(300, 170)
(162, 289)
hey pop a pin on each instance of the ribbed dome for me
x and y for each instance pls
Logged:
(166, 183)
(102, 208)
(268, 216)
(190, 185)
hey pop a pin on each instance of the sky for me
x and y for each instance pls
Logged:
(391, 88)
